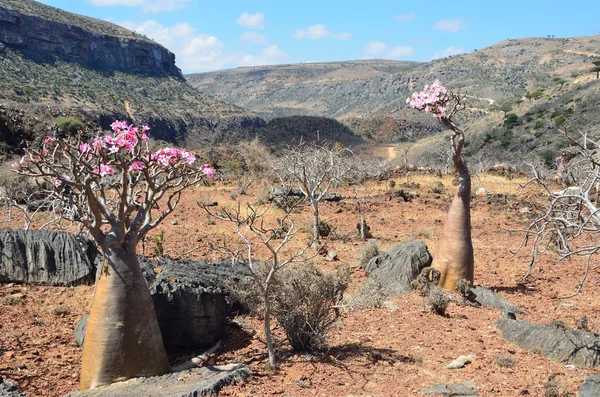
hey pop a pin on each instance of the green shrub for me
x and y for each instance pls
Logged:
(69, 125)
(538, 124)
(548, 155)
(560, 121)
(511, 120)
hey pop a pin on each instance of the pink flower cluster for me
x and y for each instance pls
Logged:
(432, 99)
(207, 170)
(170, 156)
(126, 136)
(104, 170)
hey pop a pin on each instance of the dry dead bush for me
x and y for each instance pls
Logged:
(438, 300)
(370, 251)
(305, 301)
(370, 296)
(255, 156)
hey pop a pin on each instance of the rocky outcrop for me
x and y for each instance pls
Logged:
(205, 381)
(46, 257)
(81, 41)
(487, 297)
(192, 300)
(9, 389)
(397, 268)
(590, 387)
(576, 347)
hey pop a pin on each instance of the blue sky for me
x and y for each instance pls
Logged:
(210, 35)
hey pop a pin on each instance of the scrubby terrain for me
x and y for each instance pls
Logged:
(395, 350)
(546, 83)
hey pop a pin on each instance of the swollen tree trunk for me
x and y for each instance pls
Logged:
(454, 255)
(122, 338)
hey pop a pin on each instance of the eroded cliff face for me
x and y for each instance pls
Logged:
(44, 40)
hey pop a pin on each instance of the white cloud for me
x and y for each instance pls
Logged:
(405, 17)
(450, 25)
(201, 52)
(151, 6)
(381, 50)
(254, 38)
(448, 52)
(319, 31)
(195, 51)
(251, 21)
(269, 56)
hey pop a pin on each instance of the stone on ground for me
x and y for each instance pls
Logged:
(205, 381)
(487, 297)
(464, 389)
(397, 268)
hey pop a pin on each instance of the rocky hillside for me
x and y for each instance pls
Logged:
(369, 96)
(45, 33)
(57, 65)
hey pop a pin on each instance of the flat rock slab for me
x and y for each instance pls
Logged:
(576, 347)
(590, 387)
(487, 297)
(196, 382)
(464, 389)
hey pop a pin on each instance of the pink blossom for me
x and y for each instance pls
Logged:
(57, 182)
(432, 99)
(84, 148)
(48, 139)
(106, 170)
(23, 160)
(208, 171)
(14, 165)
(136, 166)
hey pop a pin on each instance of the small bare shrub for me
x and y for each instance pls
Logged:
(306, 303)
(61, 310)
(370, 296)
(426, 280)
(504, 362)
(438, 300)
(582, 323)
(370, 251)
(438, 188)
(559, 324)
(391, 183)
(463, 287)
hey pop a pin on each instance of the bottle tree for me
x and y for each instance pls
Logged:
(118, 189)
(454, 254)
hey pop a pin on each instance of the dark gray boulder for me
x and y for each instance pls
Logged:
(576, 347)
(9, 389)
(397, 268)
(487, 297)
(47, 257)
(590, 387)
(196, 382)
(192, 299)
